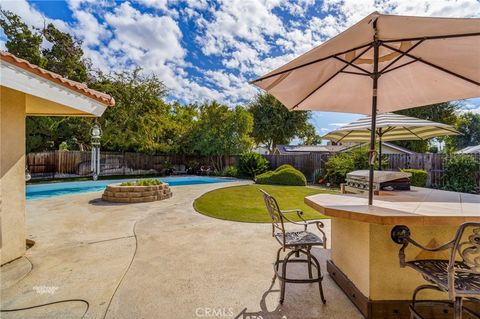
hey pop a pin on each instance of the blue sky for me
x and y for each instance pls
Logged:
(205, 50)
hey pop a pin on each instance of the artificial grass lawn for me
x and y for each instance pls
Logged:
(245, 203)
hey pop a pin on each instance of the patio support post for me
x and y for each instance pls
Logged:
(375, 75)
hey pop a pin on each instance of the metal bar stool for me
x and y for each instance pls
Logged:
(298, 242)
(459, 276)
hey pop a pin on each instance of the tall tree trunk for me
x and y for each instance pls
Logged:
(273, 146)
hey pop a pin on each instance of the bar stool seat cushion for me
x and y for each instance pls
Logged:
(299, 238)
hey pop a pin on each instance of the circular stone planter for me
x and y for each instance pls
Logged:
(136, 194)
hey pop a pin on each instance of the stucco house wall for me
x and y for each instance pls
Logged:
(12, 168)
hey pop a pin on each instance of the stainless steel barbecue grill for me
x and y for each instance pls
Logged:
(357, 181)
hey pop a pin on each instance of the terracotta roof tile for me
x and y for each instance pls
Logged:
(53, 77)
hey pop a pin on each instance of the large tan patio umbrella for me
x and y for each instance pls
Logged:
(381, 64)
(390, 127)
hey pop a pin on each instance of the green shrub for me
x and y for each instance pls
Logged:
(340, 164)
(252, 164)
(142, 182)
(419, 176)
(231, 171)
(337, 167)
(459, 173)
(283, 175)
(284, 166)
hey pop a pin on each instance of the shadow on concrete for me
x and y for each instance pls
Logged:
(264, 313)
(100, 202)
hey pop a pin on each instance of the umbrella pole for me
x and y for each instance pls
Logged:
(373, 129)
(380, 152)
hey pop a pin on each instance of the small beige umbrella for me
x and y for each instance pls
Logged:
(390, 127)
(381, 64)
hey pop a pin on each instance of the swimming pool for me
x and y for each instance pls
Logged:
(37, 191)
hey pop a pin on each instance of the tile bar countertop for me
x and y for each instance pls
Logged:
(420, 206)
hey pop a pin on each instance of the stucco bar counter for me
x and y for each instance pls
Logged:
(364, 259)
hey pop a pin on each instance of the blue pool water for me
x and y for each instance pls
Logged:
(68, 188)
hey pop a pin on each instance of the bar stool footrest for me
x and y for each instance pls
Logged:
(291, 280)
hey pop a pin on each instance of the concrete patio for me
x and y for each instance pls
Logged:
(153, 260)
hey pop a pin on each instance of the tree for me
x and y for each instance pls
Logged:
(179, 128)
(21, 41)
(65, 56)
(309, 135)
(468, 124)
(273, 124)
(441, 112)
(221, 131)
(139, 118)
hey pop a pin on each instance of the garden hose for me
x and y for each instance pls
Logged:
(50, 303)
(82, 300)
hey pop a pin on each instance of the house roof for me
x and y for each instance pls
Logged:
(475, 149)
(58, 79)
(307, 149)
(398, 148)
(390, 145)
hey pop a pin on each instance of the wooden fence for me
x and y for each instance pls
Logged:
(308, 164)
(60, 164)
(432, 163)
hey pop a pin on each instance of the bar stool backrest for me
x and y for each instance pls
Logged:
(466, 246)
(274, 212)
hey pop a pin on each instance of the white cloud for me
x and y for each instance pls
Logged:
(471, 105)
(88, 29)
(30, 15)
(146, 40)
(158, 4)
(299, 7)
(238, 21)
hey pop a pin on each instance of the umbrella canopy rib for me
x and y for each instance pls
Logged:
(413, 133)
(400, 56)
(330, 78)
(268, 76)
(433, 65)
(400, 66)
(356, 73)
(436, 37)
(344, 136)
(353, 65)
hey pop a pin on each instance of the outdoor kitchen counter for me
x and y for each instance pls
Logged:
(364, 259)
(420, 206)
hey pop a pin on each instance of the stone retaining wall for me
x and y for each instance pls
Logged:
(136, 194)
